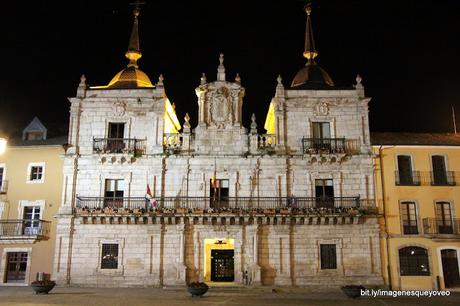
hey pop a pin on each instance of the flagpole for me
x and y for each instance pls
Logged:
(453, 120)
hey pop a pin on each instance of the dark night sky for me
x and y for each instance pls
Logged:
(406, 51)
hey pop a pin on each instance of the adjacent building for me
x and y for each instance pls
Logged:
(147, 201)
(30, 188)
(418, 191)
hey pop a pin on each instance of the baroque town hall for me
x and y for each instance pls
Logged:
(148, 201)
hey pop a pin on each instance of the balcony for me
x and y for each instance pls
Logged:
(323, 145)
(132, 146)
(3, 187)
(407, 178)
(127, 205)
(443, 178)
(24, 231)
(433, 226)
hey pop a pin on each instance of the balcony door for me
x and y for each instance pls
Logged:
(405, 170)
(438, 163)
(444, 218)
(113, 195)
(450, 268)
(16, 267)
(321, 132)
(31, 218)
(324, 192)
(219, 192)
(115, 142)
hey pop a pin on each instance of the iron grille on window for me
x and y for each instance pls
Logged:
(109, 258)
(413, 261)
(328, 256)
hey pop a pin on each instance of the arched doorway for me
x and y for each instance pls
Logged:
(450, 268)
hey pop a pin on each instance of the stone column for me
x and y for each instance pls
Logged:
(254, 264)
(281, 241)
(180, 266)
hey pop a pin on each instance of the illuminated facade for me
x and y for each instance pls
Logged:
(30, 185)
(417, 187)
(144, 204)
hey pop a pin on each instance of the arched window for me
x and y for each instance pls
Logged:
(413, 261)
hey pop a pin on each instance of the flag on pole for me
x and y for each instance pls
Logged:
(149, 192)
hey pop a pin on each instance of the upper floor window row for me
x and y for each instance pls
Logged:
(405, 175)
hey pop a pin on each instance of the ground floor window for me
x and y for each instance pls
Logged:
(328, 256)
(109, 256)
(413, 261)
(16, 267)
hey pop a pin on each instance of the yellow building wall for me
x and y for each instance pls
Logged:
(425, 196)
(16, 161)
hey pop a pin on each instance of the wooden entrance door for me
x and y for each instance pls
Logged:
(450, 268)
(16, 267)
(222, 266)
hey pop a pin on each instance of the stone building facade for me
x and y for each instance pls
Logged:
(146, 205)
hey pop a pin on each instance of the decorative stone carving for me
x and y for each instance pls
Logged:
(322, 109)
(119, 108)
(220, 108)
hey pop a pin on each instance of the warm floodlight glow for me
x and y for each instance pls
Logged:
(3, 143)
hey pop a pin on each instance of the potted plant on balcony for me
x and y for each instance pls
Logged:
(197, 289)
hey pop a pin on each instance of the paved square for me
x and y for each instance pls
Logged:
(24, 296)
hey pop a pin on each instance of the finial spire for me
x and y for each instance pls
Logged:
(310, 51)
(134, 52)
(221, 68)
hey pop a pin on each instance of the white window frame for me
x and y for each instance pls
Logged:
(3, 265)
(119, 269)
(27, 203)
(29, 169)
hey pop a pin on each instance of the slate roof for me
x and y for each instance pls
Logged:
(415, 139)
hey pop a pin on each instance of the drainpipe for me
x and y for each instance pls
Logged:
(387, 239)
(74, 190)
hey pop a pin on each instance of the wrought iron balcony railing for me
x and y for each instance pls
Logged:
(407, 178)
(443, 178)
(244, 203)
(433, 226)
(119, 145)
(323, 145)
(112, 202)
(17, 229)
(3, 186)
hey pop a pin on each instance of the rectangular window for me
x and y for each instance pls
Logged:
(439, 175)
(444, 218)
(113, 195)
(328, 256)
(2, 185)
(31, 218)
(405, 174)
(115, 141)
(321, 130)
(36, 173)
(109, 256)
(409, 218)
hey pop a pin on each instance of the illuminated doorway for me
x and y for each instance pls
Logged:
(219, 260)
